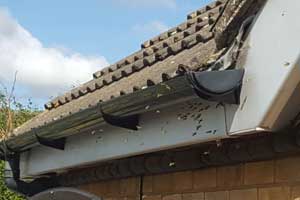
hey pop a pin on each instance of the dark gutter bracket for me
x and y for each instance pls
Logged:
(220, 86)
(129, 122)
(56, 144)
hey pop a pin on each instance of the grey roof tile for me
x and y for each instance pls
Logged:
(157, 61)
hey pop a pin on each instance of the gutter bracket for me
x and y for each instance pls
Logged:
(129, 122)
(220, 86)
(56, 144)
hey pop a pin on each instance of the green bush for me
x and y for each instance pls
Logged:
(6, 194)
(20, 114)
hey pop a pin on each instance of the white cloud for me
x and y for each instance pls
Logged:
(154, 27)
(42, 71)
(149, 3)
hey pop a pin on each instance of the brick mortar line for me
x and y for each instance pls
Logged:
(141, 186)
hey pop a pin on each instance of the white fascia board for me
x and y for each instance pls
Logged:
(272, 72)
(178, 125)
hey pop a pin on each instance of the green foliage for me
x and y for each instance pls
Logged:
(20, 114)
(6, 194)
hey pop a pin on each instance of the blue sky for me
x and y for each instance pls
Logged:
(85, 34)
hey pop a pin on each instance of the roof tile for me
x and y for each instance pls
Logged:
(156, 62)
(182, 48)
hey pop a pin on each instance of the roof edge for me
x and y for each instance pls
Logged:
(138, 102)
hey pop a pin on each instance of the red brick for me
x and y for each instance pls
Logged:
(295, 192)
(85, 187)
(205, 178)
(172, 197)
(147, 184)
(220, 195)
(229, 176)
(259, 172)
(287, 169)
(274, 193)
(113, 187)
(152, 197)
(129, 186)
(193, 196)
(163, 183)
(113, 197)
(246, 194)
(99, 188)
(132, 198)
(183, 181)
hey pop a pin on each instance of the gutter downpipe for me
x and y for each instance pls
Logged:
(13, 182)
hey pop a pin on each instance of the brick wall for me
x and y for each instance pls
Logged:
(266, 180)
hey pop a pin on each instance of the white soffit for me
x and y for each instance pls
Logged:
(187, 123)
